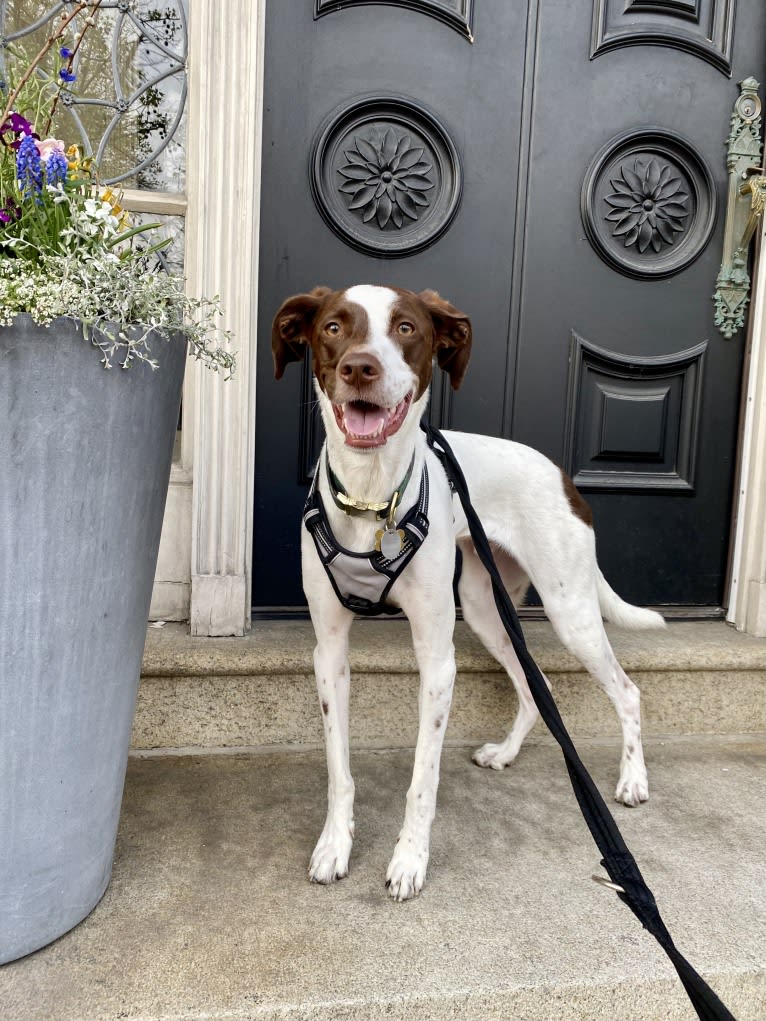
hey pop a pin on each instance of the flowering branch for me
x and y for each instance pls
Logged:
(58, 32)
(66, 74)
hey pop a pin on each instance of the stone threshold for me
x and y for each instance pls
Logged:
(258, 691)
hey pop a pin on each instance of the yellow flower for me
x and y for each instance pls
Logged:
(107, 195)
(79, 166)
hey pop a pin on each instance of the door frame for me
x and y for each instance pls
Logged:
(226, 66)
(747, 587)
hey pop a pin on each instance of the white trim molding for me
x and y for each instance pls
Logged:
(747, 596)
(223, 193)
(157, 202)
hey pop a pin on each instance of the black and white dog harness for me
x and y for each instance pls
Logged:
(362, 581)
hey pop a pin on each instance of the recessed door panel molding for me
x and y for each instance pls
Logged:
(632, 422)
(458, 14)
(704, 28)
(311, 430)
(441, 404)
(648, 203)
(689, 9)
(386, 176)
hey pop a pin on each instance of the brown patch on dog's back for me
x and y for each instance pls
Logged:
(580, 508)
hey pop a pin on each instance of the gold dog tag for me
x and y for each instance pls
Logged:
(389, 542)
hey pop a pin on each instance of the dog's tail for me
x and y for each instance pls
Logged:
(623, 614)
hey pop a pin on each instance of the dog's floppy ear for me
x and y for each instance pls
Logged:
(452, 336)
(291, 329)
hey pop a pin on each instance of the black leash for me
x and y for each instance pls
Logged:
(617, 859)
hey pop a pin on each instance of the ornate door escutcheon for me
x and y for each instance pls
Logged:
(745, 204)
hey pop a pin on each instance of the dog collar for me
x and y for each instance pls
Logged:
(353, 506)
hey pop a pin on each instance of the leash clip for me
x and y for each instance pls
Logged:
(603, 881)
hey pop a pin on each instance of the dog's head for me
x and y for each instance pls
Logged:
(373, 351)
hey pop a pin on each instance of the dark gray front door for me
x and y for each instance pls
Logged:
(557, 169)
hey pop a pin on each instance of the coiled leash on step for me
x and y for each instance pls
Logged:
(626, 879)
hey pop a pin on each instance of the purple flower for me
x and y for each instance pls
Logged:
(56, 168)
(65, 53)
(9, 212)
(66, 76)
(29, 169)
(17, 125)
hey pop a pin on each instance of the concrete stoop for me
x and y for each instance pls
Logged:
(210, 916)
(258, 691)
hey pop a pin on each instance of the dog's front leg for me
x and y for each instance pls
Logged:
(331, 626)
(432, 637)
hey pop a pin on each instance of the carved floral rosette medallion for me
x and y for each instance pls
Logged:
(386, 176)
(648, 204)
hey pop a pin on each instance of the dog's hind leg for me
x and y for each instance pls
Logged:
(479, 612)
(576, 618)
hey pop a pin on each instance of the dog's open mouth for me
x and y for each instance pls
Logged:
(369, 425)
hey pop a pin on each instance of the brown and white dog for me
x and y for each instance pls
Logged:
(373, 351)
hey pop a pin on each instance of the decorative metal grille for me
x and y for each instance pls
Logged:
(130, 99)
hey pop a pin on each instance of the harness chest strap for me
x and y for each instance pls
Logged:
(362, 581)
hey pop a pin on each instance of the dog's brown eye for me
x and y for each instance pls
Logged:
(406, 328)
(332, 328)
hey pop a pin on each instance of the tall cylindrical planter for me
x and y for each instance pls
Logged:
(85, 456)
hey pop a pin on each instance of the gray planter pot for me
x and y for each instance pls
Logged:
(85, 459)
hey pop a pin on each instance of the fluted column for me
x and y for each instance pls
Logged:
(747, 600)
(223, 187)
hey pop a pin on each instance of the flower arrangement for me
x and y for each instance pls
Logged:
(66, 246)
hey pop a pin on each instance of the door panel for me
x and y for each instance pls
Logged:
(402, 54)
(657, 543)
(594, 336)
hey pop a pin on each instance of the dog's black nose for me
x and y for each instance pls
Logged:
(359, 368)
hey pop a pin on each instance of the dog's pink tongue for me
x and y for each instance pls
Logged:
(364, 419)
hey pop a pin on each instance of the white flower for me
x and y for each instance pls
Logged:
(58, 191)
(99, 210)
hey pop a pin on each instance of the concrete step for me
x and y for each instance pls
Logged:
(258, 691)
(210, 916)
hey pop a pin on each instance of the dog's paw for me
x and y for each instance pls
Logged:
(406, 874)
(632, 790)
(492, 756)
(329, 861)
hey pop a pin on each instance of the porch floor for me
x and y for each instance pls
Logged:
(210, 914)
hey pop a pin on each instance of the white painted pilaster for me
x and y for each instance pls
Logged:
(223, 192)
(747, 598)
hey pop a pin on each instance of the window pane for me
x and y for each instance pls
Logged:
(172, 256)
(126, 105)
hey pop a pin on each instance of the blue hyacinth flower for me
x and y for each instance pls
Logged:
(56, 168)
(29, 170)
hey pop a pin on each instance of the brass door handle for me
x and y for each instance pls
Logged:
(756, 189)
(745, 206)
